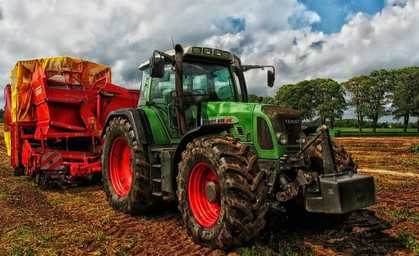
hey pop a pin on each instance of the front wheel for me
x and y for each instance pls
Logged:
(221, 192)
(344, 161)
(126, 169)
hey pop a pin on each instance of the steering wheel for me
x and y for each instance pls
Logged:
(198, 92)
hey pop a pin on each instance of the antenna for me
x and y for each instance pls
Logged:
(173, 42)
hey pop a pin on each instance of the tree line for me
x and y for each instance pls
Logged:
(380, 93)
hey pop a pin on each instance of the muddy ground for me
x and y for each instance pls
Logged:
(78, 221)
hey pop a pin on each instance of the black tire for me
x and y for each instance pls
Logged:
(41, 179)
(139, 199)
(242, 189)
(344, 159)
(19, 171)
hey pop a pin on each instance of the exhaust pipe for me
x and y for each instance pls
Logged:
(179, 89)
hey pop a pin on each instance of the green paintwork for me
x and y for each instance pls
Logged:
(242, 111)
(245, 113)
(278, 149)
(159, 130)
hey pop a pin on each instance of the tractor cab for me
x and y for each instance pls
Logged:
(208, 75)
(202, 82)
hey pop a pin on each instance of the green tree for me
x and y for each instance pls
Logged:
(416, 110)
(268, 100)
(329, 99)
(358, 91)
(254, 98)
(380, 83)
(298, 96)
(405, 97)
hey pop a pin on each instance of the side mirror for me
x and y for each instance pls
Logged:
(156, 67)
(271, 78)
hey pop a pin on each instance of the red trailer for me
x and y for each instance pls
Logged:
(55, 112)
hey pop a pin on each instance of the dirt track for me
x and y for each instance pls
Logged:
(79, 221)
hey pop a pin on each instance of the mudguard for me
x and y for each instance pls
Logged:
(138, 120)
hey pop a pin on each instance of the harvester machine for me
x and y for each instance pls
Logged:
(55, 112)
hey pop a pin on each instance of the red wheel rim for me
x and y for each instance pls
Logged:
(204, 212)
(120, 167)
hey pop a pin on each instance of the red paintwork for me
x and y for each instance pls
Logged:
(120, 167)
(65, 110)
(204, 212)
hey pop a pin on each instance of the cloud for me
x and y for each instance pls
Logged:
(396, 2)
(384, 40)
(318, 45)
(302, 18)
(124, 33)
(232, 25)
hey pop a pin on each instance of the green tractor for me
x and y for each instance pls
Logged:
(196, 139)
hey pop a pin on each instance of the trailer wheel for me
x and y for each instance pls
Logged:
(126, 169)
(41, 179)
(19, 171)
(221, 192)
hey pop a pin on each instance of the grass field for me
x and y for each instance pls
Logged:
(79, 220)
(349, 132)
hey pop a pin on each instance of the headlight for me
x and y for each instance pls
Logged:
(282, 138)
(302, 138)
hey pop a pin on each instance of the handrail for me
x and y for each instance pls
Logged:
(95, 83)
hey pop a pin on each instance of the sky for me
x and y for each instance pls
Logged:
(303, 39)
(335, 13)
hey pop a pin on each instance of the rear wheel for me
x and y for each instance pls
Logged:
(221, 192)
(120, 170)
(126, 169)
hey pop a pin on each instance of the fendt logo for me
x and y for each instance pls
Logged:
(292, 121)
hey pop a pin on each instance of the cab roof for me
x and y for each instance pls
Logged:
(199, 52)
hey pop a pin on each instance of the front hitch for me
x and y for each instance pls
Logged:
(329, 158)
(337, 192)
(329, 191)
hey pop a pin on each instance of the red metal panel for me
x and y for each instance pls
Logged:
(49, 157)
(26, 153)
(65, 110)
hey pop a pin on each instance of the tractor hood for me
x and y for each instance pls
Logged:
(238, 113)
(284, 120)
(265, 126)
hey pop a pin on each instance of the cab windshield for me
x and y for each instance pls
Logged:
(208, 82)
